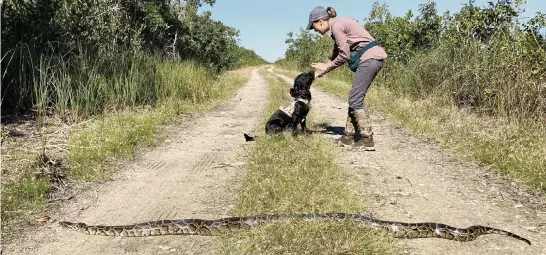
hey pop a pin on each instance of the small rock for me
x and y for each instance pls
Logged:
(531, 228)
(393, 201)
(401, 193)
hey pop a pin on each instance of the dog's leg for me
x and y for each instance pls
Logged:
(295, 120)
(303, 125)
(296, 117)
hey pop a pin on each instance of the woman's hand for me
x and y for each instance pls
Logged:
(320, 68)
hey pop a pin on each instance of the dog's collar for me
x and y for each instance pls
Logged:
(303, 92)
(290, 108)
(305, 101)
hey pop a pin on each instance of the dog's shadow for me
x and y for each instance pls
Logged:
(325, 128)
(321, 128)
(334, 130)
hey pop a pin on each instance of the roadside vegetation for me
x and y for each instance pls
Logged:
(284, 177)
(86, 84)
(474, 80)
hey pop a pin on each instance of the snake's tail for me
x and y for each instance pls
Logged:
(481, 230)
(439, 230)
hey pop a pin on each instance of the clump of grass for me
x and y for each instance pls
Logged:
(188, 81)
(20, 199)
(292, 174)
(112, 137)
(297, 237)
(298, 175)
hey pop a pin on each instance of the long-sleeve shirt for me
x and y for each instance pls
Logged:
(349, 35)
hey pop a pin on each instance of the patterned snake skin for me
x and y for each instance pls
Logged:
(227, 225)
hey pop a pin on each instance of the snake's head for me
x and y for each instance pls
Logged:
(72, 225)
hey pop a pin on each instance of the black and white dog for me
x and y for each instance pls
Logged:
(296, 112)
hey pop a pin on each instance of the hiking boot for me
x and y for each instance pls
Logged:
(363, 120)
(349, 132)
(358, 131)
(366, 142)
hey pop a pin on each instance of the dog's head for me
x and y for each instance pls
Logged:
(302, 84)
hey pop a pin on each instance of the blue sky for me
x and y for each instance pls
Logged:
(263, 24)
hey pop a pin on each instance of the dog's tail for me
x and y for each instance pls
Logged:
(248, 138)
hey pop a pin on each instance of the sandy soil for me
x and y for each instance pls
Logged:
(412, 180)
(194, 174)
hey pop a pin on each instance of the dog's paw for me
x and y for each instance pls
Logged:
(248, 138)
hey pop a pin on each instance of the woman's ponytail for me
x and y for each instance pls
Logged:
(331, 12)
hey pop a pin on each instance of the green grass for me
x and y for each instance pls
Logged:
(81, 86)
(514, 148)
(22, 199)
(113, 137)
(298, 175)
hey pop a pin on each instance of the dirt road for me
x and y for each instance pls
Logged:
(412, 180)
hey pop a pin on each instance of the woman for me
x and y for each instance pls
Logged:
(355, 45)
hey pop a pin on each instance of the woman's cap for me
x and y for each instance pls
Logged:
(317, 13)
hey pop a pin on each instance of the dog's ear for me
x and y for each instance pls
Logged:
(293, 92)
